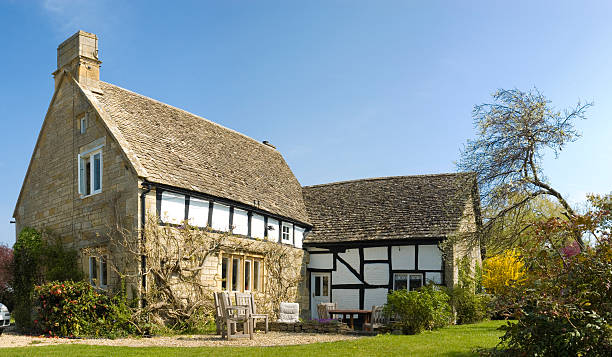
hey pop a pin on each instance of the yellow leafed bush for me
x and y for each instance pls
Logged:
(503, 271)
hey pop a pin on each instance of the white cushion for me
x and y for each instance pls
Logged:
(289, 312)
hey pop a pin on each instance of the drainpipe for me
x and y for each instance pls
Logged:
(143, 218)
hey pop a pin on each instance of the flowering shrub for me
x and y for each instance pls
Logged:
(76, 309)
(565, 306)
(424, 309)
(503, 271)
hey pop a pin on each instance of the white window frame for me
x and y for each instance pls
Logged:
(83, 159)
(289, 233)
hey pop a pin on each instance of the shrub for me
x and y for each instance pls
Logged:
(565, 307)
(469, 306)
(503, 271)
(34, 262)
(77, 309)
(418, 310)
(7, 294)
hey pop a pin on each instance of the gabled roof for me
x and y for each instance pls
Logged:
(170, 146)
(401, 207)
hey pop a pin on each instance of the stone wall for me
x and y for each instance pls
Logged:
(311, 326)
(50, 196)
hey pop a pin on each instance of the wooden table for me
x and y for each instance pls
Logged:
(347, 314)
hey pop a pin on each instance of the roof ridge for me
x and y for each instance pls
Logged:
(195, 115)
(386, 178)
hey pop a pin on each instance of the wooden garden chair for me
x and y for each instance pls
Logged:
(232, 316)
(377, 320)
(249, 300)
(323, 310)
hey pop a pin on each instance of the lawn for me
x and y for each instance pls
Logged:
(450, 341)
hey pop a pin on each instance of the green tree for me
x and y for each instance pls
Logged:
(514, 131)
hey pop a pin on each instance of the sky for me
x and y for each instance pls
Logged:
(344, 89)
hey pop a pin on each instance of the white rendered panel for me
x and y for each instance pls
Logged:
(198, 212)
(172, 208)
(321, 261)
(273, 230)
(376, 274)
(346, 298)
(433, 277)
(402, 257)
(299, 236)
(375, 253)
(351, 256)
(240, 222)
(373, 297)
(342, 275)
(430, 257)
(220, 217)
(257, 226)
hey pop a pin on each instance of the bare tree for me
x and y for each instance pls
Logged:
(513, 133)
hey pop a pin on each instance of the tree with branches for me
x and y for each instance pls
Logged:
(514, 132)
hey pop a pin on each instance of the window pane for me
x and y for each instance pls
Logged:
(82, 176)
(400, 281)
(235, 274)
(416, 281)
(88, 178)
(255, 275)
(93, 270)
(224, 266)
(325, 286)
(317, 286)
(432, 277)
(97, 179)
(247, 275)
(103, 272)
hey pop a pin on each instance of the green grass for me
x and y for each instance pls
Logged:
(451, 341)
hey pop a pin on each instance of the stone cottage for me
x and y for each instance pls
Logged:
(105, 152)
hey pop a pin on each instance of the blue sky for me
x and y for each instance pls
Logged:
(344, 89)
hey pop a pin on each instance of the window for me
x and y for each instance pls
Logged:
(84, 124)
(235, 274)
(407, 281)
(93, 271)
(90, 172)
(241, 273)
(256, 275)
(247, 275)
(224, 273)
(98, 271)
(103, 272)
(287, 236)
(433, 277)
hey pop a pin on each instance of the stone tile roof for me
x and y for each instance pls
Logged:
(401, 207)
(177, 148)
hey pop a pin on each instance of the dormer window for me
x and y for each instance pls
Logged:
(90, 172)
(287, 234)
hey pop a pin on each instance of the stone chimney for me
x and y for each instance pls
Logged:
(79, 56)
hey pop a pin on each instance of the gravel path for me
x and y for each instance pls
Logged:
(13, 339)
